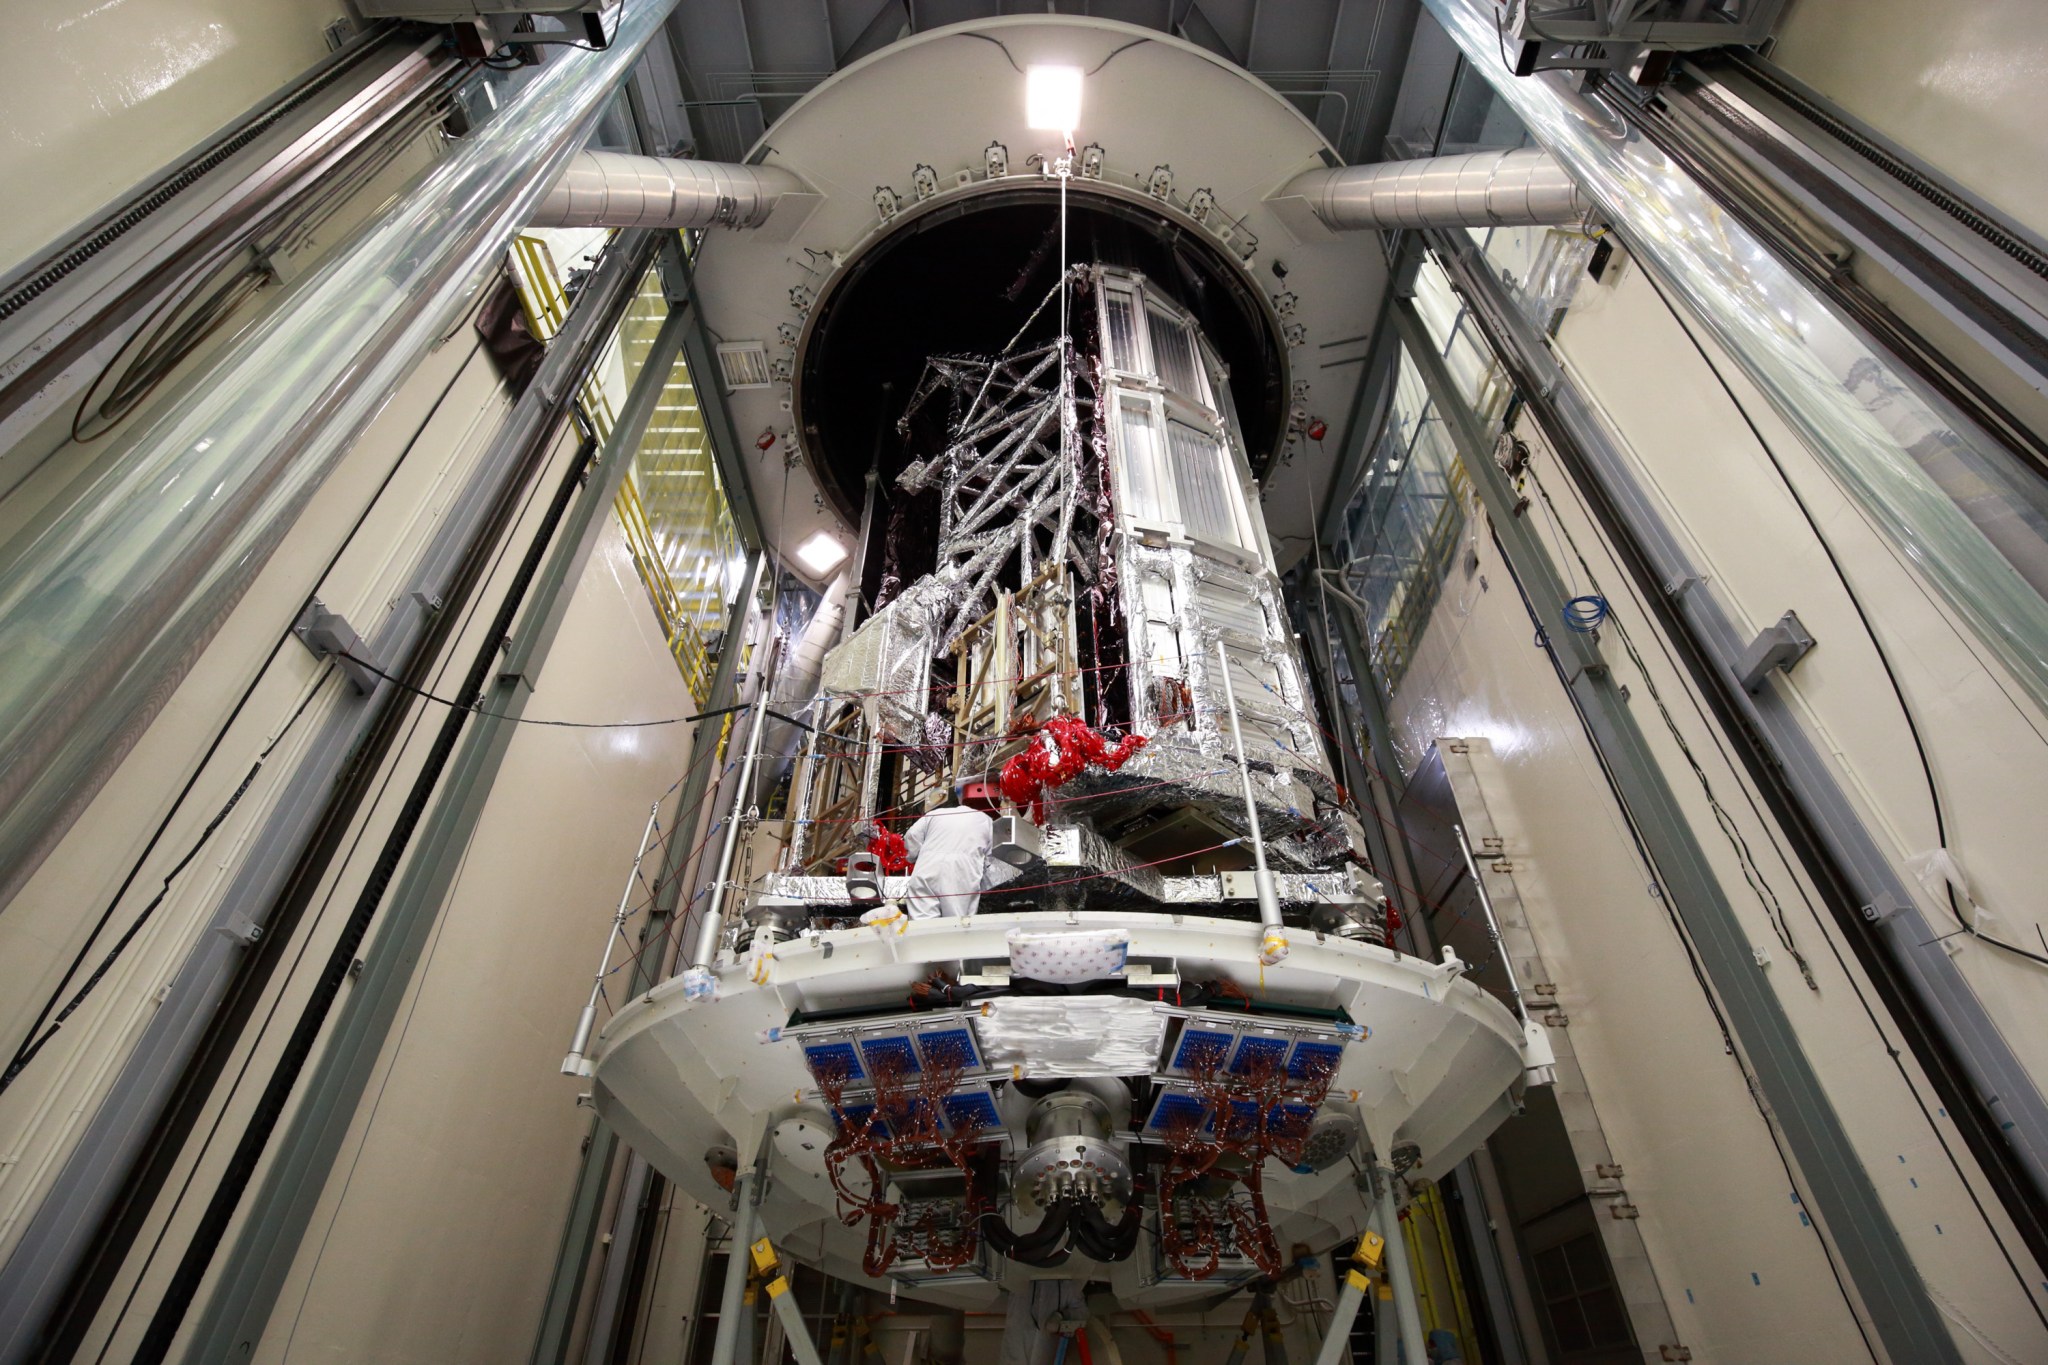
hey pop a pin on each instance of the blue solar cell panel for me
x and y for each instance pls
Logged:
(1173, 1108)
(975, 1107)
(1253, 1051)
(1196, 1043)
(852, 1115)
(1314, 1059)
(827, 1059)
(893, 1051)
(949, 1047)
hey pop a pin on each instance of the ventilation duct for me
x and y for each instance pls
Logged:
(1521, 187)
(618, 190)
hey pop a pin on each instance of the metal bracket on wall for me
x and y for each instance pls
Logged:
(1775, 647)
(329, 636)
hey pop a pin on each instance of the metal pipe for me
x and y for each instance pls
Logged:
(1273, 942)
(105, 611)
(1400, 1274)
(620, 190)
(1500, 951)
(574, 1064)
(724, 1345)
(1518, 187)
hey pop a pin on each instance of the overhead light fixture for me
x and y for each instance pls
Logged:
(1052, 98)
(821, 554)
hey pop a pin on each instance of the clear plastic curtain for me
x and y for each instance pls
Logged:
(1948, 499)
(104, 611)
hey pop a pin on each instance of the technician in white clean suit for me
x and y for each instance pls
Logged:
(949, 850)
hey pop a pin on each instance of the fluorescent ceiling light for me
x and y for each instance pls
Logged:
(1052, 98)
(821, 553)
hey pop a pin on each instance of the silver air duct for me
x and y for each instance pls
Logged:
(618, 190)
(1478, 189)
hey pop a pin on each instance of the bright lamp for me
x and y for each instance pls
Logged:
(821, 553)
(1052, 98)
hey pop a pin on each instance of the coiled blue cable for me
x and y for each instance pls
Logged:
(1583, 615)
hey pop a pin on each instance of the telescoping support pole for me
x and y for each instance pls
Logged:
(574, 1064)
(725, 1345)
(1359, 1285)
(1273, 941)
(1269, 1322)
(1399, 1272)
(1492, 923)
(784, 1305)
(1242, 1347)
(698, 982)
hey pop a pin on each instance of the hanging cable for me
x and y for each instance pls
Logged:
(39, 1036)
(1869, 629)
(1752, 874)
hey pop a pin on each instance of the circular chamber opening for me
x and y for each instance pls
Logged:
(964, 278)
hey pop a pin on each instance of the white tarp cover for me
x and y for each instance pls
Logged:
(1055, 1037)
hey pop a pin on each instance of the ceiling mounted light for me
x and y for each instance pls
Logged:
(820, 554)
(1052, 98)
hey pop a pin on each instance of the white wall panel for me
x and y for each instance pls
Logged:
(1958, 85)
(94, 97)
(438, 1231)
(1745, 1278)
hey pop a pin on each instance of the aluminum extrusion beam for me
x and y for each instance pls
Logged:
(593, 1182)
(116, 598)
(619, 190)
(261, 1256)
(2007, 1100)
(72, 1211)
(1519, 187)
(1856, 411)
(1838, 1187)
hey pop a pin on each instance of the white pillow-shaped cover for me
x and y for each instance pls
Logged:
(1069, 956)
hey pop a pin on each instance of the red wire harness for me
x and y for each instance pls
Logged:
(1259, 1110)
(904, 1128)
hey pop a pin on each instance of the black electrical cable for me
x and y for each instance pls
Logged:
(1877, 1025)
(38, 1036)
(1766, 894)
(240, 1170)
(177, 326)
(1942, 1068)
(1870, 630)
(1699, 973)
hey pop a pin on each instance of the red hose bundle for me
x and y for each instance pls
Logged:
(1057, 754)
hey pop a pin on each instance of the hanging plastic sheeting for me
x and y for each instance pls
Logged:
(1885, 445)
(103, 613)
